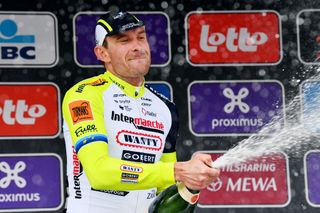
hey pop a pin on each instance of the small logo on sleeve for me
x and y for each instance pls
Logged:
(80, 111)
(138, 156)
(129, 168)
(82, 130)
(129, 178)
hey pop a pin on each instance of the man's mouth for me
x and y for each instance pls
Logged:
(138, 55)
(137, 58)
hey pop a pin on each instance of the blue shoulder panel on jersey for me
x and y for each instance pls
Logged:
(89, 139)
(170, 145)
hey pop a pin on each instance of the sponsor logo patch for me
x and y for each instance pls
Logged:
(80, 111)
(148, 113)
(129, 178)
(129, 168)
(113, 192)
(139, 140)
(139, 123)
(77, 172)
(83, 130)
(138, 156)
(151, 194)
(94, 83)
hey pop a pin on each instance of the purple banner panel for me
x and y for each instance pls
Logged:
(234, 107)
(157, 28)
(30, 182)
(312, 177)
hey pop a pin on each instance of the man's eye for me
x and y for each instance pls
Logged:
(124, 40)
(142, 38)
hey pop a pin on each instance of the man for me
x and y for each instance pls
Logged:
(122, 131)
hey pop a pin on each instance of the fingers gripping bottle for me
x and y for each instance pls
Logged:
(175, 199)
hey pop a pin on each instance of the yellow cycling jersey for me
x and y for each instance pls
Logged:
(120, 144)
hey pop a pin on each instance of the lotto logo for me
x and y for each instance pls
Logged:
(246, 41)
(233, 38)
(28, 39)
(18, 110)
(29, 110)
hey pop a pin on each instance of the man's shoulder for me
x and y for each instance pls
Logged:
(159, 95)
(89, 85)
(87, 89)
(170, 104)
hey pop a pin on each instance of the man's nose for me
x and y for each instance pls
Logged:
(136, 45)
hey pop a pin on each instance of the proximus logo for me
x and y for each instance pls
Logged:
(12, 174)
(236, 100)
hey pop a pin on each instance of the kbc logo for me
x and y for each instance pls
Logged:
(28, 39)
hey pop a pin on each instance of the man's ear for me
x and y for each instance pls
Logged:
(102, 54)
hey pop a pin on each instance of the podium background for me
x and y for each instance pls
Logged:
(178, 73)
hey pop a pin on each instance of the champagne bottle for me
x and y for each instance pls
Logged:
(175, 199)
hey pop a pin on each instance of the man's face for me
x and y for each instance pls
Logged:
(129, 53)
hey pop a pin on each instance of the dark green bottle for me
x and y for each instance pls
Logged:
(175, 199)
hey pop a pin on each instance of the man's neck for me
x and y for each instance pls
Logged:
(134, 81)
(128, 88)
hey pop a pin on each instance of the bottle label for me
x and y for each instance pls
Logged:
(186, 194)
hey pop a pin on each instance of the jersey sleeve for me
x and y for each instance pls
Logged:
(84, 115)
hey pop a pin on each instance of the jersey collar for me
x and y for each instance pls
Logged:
(128, 89)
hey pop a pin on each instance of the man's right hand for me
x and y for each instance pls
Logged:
(196, 173)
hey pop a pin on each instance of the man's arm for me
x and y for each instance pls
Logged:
(104, 172)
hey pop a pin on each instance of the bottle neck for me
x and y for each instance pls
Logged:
(193, 191)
